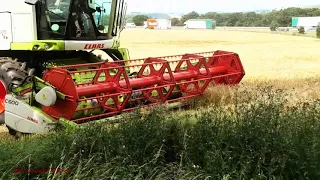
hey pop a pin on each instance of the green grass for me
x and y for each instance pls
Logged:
(255, 135)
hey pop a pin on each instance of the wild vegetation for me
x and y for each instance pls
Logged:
(254, 134)
(267, 127)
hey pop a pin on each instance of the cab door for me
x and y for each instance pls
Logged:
(119, 17)
(5, 31)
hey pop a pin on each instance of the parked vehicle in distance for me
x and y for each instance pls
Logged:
(130, 25)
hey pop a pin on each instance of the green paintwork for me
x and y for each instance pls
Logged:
(116, 43)
(208, 24)
(295, 21)
(39, 83)
(68, 125)
(125, 53)
(21, 46)
(53, 45)
(44, 114)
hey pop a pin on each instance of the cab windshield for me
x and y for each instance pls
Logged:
(102, 18)
(85, 18)
(57, 14)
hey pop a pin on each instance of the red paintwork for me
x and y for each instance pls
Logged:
(3, 92)
(220, 67)
(94, 46)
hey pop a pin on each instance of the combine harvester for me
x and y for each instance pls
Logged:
(61, 63)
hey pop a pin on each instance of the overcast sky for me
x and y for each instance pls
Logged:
(185, 6)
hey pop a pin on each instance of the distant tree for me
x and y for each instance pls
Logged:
(238, 24)
(318, 30)
(191, 15)
(274, 25)
(128, 19)
(175, 22)
(301, 30)
(105, 20)
(138, 20)
(209, 15)
(273, 19)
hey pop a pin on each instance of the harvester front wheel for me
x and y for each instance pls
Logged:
(12, 74)
(14, 133)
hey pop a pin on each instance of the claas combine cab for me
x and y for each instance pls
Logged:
(61, 63)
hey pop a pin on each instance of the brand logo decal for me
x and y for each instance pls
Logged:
(8, 101)
(4, 34)
(94, 46)
(33, 120)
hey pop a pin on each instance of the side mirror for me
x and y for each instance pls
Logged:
(31, 2)
(101, 28)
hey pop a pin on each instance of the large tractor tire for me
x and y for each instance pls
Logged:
(12, 74)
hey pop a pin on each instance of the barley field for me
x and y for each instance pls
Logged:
(264, 55)
(291, 63)
(287, 62)
(265, 128)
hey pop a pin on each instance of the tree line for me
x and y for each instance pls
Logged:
(279, 18)
(282, 18)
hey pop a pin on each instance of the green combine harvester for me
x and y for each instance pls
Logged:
(61, 64)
